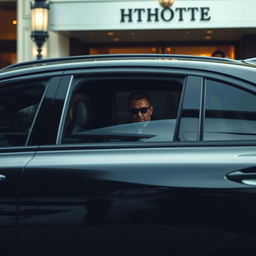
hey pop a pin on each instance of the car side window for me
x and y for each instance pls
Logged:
(99, 110)
(230, 112)
(18, 106)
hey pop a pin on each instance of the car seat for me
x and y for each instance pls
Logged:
(83, 117)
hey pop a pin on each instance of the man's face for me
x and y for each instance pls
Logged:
(140, 110)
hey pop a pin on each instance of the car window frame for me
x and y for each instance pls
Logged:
(52, 103)
(17, 81)
(142, 71)
(197, 90)
(165, 70)
(236, 83)
(228, 79)
(48, 90)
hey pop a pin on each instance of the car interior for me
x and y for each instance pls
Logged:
(103, 102)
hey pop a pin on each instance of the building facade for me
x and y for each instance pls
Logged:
(80, 27)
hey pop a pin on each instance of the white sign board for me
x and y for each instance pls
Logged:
(143, 15)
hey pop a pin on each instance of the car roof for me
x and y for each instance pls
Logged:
(215, 64)
(88, 58)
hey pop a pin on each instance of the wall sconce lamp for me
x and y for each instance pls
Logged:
(166, 3)
(39, 22)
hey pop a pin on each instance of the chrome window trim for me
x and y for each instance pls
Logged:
(202, 110)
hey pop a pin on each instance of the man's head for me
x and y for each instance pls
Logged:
(219, 54)
(140, 107)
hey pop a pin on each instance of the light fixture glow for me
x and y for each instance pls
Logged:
(166, 3)
(209, 32)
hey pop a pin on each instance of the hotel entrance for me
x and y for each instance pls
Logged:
(200, 42)
(200, 50)
(130, 27)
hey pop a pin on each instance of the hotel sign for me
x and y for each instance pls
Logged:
(108, 15)
(180, 14)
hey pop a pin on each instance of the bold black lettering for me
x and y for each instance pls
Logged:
(205, 13)
(139, 10)
(153, 14)
(165, 12)
(180, 10)
(126, 15)
(193, 10)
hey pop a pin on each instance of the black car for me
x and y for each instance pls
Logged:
(77, 177)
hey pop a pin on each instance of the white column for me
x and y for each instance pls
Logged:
(58, 45)
(24, 42)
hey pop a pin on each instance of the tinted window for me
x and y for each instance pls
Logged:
(99, 110)
(230, 112)
(18, 106)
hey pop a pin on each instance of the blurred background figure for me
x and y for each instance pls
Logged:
(219, 54)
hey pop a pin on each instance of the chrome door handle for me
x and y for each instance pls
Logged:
(2, 177)
(251, 182)
(247, 177)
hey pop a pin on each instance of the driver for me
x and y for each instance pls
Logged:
(140, 107)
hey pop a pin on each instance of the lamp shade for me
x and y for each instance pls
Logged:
(39, 24)
(166, 3)
(39, 16)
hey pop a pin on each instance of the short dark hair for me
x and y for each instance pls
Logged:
(137, 96)
(218, 52)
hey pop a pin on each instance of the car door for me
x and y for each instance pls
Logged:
(103, 192)
(13, 162)
(21, 98)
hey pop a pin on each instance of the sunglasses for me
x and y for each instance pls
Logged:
(135, 111)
